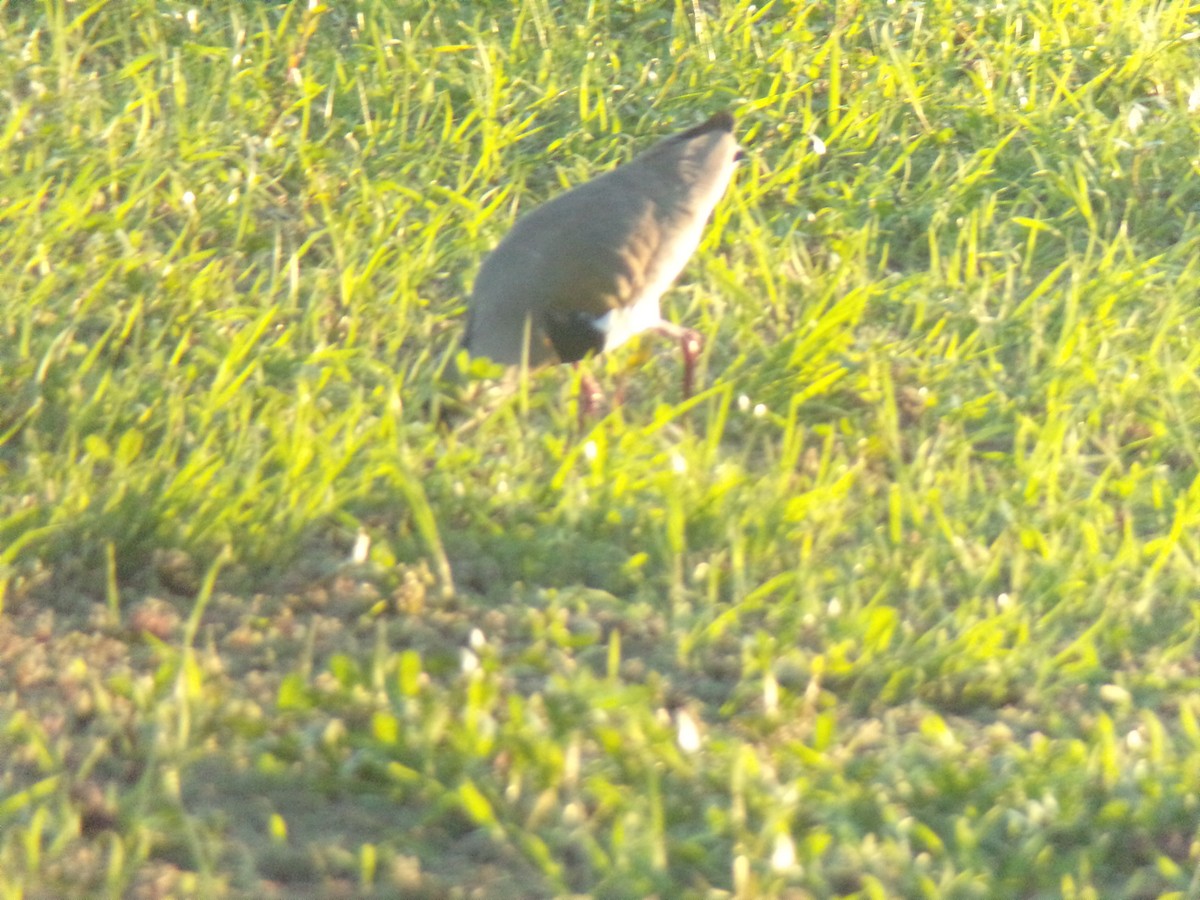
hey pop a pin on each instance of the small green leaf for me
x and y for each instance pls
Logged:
(294, 693)
(129, 447)
(385, 727)
(96, 447)
(475, 804)
(409, 674)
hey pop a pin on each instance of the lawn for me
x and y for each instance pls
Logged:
(904, 602)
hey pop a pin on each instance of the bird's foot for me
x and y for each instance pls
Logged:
(591, 396)
(691, 343)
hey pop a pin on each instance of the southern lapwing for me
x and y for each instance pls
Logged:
(584, 272)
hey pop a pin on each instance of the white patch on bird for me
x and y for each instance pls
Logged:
(623, 322)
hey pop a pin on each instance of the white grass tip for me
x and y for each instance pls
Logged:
(770, 694)
(573, 814)
(687, 732)
(741, 873)
(1114, 693)
(1135, 118)
(470, 662)
(783, 854)
(362, 547)
(572, 762)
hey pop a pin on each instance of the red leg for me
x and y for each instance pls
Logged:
(690, 345)
(591, 395)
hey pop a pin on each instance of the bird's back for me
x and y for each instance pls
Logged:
(613, 243)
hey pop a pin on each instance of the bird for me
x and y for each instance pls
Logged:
(584, 272)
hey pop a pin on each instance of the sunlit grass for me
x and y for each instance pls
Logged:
(902, 603)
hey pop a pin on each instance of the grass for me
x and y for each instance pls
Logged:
(903, 603)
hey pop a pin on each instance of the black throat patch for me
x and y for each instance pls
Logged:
(574, 334)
